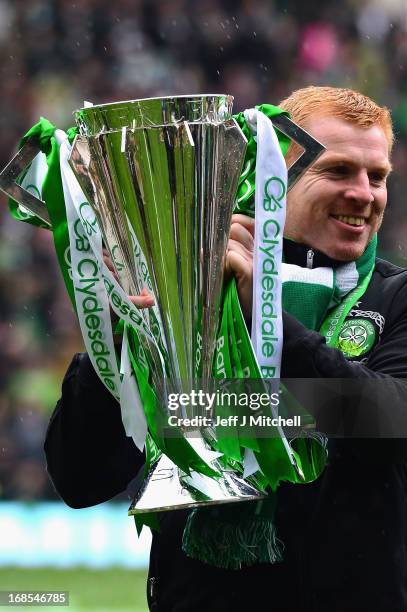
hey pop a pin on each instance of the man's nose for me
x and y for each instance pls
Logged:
(359, 189)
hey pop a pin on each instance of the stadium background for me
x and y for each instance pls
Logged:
(58, 53)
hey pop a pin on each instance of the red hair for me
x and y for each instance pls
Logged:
(346, 104)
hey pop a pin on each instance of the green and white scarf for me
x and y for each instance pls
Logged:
(93, 289)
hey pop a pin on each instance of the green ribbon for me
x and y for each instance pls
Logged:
(245, 192)
(52, 194)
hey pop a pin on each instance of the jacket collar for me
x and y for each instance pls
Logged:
(304, 256)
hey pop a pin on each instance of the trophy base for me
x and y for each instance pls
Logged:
(165, 489)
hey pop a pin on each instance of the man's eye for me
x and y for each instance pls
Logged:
(377, 179)
(338, 170)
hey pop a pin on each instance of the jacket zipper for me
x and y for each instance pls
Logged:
(310, 258)
(152, 593)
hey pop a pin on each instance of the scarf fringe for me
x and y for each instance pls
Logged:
(231, 545)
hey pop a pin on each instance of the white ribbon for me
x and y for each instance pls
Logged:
(133, 417)
(270, 209)
(95, 288)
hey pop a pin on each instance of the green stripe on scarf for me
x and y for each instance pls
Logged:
(310, 301)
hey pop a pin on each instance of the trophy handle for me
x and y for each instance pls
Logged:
(12, 171)
(312, 148)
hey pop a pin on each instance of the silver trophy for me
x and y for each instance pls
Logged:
(161, 175)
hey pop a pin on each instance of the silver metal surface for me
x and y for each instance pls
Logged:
(312, 148)
(162, 175)
(13, 170)
(167, 488)
(153, 112)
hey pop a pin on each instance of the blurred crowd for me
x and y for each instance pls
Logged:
(58, 53)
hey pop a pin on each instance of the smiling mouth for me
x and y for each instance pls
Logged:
(353, 221)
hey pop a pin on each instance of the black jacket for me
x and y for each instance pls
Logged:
(345, 535)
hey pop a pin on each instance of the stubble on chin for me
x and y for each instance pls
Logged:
(348, 253)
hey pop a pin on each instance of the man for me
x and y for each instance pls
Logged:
(344, 535)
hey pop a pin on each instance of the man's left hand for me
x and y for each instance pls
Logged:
(239, 259)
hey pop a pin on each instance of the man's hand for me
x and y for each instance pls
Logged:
(144, 300)
(239, 259)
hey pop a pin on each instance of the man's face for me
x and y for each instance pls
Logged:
(338, 205)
